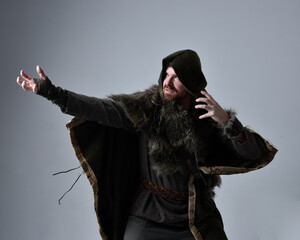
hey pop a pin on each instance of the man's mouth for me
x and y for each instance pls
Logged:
(169, 90)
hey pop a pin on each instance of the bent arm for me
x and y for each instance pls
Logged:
(250, 149)
(247, 145)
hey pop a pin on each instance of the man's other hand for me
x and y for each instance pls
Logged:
(214, 110)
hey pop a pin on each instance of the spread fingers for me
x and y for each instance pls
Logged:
(25, 76)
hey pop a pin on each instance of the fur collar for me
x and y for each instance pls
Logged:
(171, 138)
(170, 129)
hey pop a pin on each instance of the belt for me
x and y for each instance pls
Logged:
(163, 192)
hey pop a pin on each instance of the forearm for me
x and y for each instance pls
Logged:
(103, 111)
(245, 143)
(55, 94)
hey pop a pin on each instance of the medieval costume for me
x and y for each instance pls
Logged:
(149, 158)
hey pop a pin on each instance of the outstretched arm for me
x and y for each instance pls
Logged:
(103, 111)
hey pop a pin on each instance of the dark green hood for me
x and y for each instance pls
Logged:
(187, 66)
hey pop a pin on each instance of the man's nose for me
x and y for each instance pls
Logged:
(168, 81)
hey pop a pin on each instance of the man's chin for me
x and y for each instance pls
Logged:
(169, 94)
(169, 97)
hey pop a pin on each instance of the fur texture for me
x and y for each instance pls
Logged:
(169, 127)
(233, 127)
(175, 138)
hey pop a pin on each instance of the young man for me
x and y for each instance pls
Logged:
(154, 157)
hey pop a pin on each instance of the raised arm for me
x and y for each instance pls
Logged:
(246, 144)
(103, 111)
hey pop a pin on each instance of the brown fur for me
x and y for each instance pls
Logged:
(171, 130)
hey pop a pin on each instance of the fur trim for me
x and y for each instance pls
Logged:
(168, 126)
(138, 106)
(175, 139)
(171, 131)
(233, 127)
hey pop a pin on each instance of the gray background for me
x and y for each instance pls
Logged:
(250, 54)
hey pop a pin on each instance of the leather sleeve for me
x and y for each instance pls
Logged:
(103, 111)
(250, 149)
(55, 94)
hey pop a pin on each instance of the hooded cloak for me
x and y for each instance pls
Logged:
(109, 156)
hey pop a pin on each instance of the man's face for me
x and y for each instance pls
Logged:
(173, 88)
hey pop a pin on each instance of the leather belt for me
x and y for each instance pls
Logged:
(163, 192)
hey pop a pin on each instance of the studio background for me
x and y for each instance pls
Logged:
(250, 56)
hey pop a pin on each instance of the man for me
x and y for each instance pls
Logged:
(154, 157)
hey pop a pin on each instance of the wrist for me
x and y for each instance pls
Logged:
(232, 127)
(225, 118)
(45, 88)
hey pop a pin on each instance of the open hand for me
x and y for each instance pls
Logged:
(214, 110)
(28, 82)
